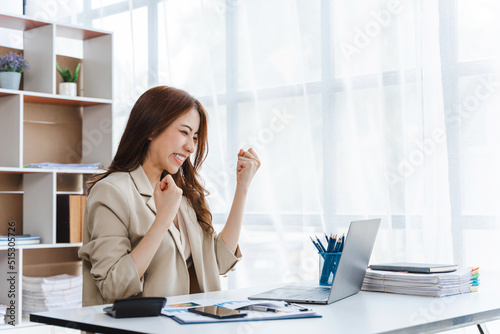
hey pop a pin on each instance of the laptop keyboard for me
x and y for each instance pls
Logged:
(311, 295)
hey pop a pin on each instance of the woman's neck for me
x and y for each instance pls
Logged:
(153, 173)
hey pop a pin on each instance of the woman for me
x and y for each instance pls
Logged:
(148, 230)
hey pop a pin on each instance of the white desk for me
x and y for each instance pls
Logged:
(366, 312)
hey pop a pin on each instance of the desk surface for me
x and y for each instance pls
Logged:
(365, 312)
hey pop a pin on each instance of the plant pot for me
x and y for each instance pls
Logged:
(67, 88)
(10, 80)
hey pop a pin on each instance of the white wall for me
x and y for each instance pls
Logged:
(12, 6)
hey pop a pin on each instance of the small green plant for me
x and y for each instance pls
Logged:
(66, 73)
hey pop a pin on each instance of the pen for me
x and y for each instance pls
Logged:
(262, 308)
(300, 308)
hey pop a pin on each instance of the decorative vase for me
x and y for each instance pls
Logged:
(67, 88)
(10, 80)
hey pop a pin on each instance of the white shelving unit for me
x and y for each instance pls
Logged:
(38, 125)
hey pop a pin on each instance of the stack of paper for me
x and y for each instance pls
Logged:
(51, 293)
(436, 285)
(3, 311)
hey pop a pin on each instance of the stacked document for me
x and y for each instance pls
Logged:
(436, 285)
(51, 293)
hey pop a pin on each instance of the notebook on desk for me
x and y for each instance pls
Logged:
(350, 272)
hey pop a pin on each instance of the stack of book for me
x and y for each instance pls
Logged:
(3, 311)
(437, 285)
(51, 293)
(15, 240)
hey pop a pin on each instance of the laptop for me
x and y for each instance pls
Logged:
(350, 271)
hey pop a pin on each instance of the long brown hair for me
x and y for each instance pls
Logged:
(153, 112)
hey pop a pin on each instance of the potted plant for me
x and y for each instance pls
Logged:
(11, 67)
(68, 86)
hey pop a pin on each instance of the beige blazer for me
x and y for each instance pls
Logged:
(120, 210)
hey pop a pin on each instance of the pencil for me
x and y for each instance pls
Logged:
(320, 244)
(315, 245)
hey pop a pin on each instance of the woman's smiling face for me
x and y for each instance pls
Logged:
(172, 147)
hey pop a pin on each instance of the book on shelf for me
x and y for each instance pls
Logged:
(415, 267)
(69, 217)
(461, 281)
(22, 239)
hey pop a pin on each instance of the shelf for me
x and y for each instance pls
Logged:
(8, 92)
(78, 33)
(55, 99)
(17, 170)
(39, 246)
(20, 22)
(24, 324)
(68, 193)
(39, 125)
(63, 100)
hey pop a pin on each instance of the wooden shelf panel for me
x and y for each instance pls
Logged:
(44, 246)
(23, 23)
(8, 92)
(54, 99)
(78, 33)
(20, 22)
(46, 170)
(75, 101)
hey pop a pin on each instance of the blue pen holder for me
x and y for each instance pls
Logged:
(328, 263)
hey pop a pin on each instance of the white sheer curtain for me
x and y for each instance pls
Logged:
(357, 108)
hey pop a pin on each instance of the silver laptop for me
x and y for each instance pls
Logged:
(350, 272)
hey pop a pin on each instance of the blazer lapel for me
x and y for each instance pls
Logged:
(143, 186)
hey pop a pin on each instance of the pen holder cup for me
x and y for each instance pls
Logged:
(328, 263)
